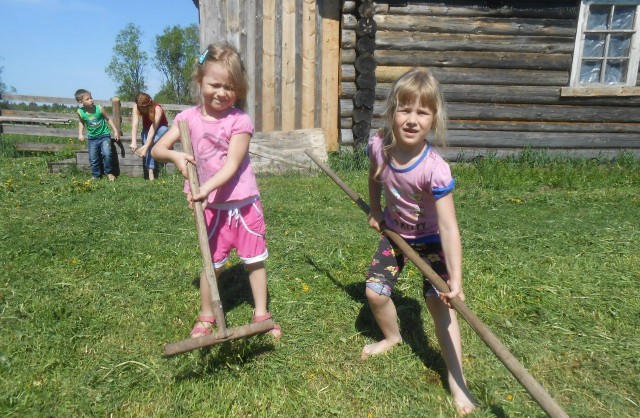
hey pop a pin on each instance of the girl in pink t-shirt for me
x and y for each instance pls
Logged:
(417, 187)
(221, 132)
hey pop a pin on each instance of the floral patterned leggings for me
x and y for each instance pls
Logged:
(389, 260)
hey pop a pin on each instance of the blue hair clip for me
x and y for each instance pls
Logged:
(203, 56)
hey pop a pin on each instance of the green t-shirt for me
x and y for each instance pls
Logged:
(95, 122)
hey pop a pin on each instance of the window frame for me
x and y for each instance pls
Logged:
(628, 88)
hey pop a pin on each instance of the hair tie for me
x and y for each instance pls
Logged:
(203, 56)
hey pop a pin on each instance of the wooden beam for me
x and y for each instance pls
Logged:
(308, 68)
(268, 65)
(330, 12)
(288, 65)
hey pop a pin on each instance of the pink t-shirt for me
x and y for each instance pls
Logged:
(210, 139)
(411, 192)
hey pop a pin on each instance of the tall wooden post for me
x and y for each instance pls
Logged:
(117, 116)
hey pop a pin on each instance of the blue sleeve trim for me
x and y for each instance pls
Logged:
(439, 192)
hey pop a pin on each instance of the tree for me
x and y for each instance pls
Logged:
(3, 87)
(128, 63)
(175, 54)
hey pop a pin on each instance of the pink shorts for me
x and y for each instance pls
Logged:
(236, 225)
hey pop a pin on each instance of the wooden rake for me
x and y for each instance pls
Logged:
(537, 392)
(223, 334)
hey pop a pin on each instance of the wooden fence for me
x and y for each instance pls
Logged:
(270, 151)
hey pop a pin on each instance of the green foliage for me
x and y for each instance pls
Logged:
(355, 160)
(128, 63)
(3, 87)
(97, 276)
(175, 53)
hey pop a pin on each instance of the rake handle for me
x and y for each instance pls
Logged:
(203, 237)
(537, 392)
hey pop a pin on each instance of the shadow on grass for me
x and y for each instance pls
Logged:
(233, 287)
(410, 317)
(221, 357)
(234, 290)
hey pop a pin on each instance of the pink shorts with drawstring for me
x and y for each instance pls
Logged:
(236, 225)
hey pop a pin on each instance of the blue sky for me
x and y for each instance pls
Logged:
(54, 47)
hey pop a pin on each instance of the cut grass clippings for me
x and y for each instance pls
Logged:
(97, 276)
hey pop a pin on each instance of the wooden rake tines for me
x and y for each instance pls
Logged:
(537, 392)
(223, 334)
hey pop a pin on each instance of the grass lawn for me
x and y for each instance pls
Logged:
(97, 276)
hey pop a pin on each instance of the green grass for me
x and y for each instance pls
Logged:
(97, 277)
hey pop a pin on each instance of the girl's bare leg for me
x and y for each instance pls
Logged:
(258, 281)
(448, 334)
(206, 308)
(384, 311)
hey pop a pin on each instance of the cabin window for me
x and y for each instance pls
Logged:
(607, 48)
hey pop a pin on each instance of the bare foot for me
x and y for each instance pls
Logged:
(378, 348)
(152, 175)
(465, 403)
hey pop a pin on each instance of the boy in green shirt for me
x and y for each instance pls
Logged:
(97, 121)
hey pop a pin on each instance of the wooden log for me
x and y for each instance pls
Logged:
(65, 100)
(505, 94)
(36, 120)
(478, 76)
(473, 59)
(365, 63)
(46, 147)
(362, 114)
(478, 25)
(33, 130)
(366, 80)
(502, 60)
(366, 28)
(568, 141)
(563, 140)
(521, 126)
(365, 45)
(551, 10)
(530, 113)
(362, 130)
(71, 116)
(465, 154)
(466, 42)
(364, 98)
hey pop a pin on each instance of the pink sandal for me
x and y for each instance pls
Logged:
(276, 331)
(201, 330)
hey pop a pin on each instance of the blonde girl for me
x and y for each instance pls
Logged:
(417, 186)
(221, 132)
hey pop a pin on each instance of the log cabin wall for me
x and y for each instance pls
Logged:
(501, 69)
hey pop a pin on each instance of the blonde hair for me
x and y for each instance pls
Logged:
(144, 100)
(419, 84)
(229, 57)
